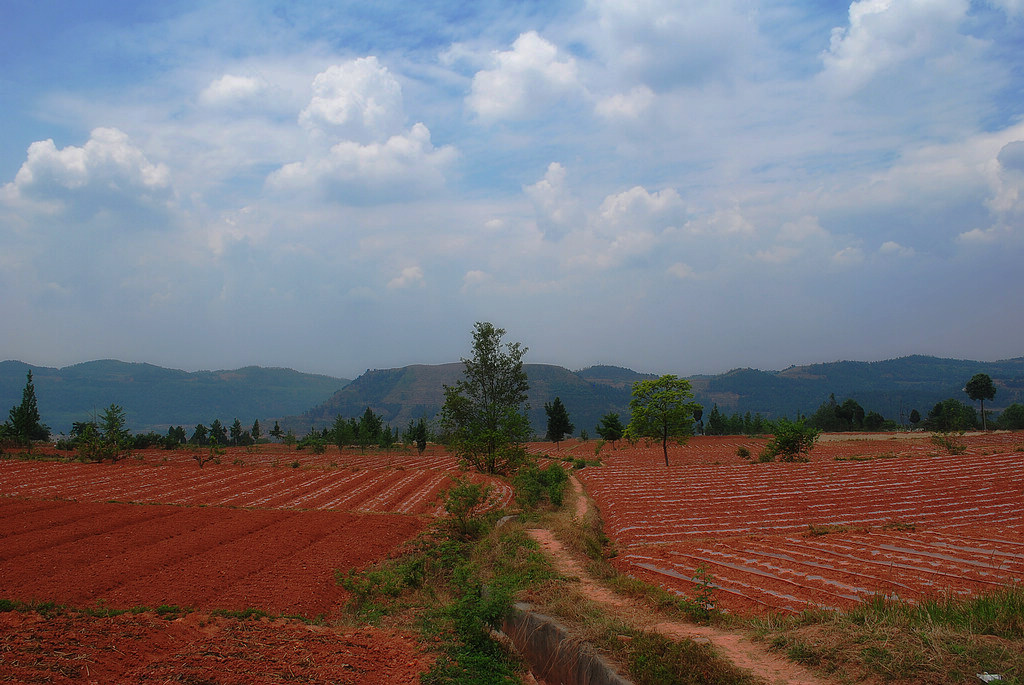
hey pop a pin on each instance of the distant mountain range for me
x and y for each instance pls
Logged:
(155, 397)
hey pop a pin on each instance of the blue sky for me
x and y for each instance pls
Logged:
(677, 187)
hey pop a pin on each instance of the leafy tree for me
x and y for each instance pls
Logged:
(23, 425)
(915, 417)
(558, 421)
(484, 414)
(276, 431)
(698, 415)
(660, 410)
(873, 421)
(610, 428)
(1012, 417)
(255, 431)
(951, 415)
(790, 441)
(980, 387)
(114, 433)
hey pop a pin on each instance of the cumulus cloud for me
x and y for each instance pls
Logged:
(410, 276)
(681, 271)
(557, 210)
(230, 89)
(631, 105)
(402, 167)
(108, 172)
(524, 81)
(357, 112)
(848, 256)
(780, 254)
(358, 100)
(721, 222)
(804, 228)
(636, 204)
(885, 35)
(891, 247)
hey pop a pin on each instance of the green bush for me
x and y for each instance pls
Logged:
(790, 442)
(534, 485)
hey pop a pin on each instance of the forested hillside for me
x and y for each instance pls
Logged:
(155, 398)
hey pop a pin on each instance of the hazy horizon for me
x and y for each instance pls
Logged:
(677, 186)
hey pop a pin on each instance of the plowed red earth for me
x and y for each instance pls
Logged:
(144, 534)
(910, 526)
(145, 648)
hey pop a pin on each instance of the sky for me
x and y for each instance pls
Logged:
(675, 187)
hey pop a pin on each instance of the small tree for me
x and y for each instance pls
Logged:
(484, 415)
(610, 428)
(218, 434)
(255, 431)
(915, 417)
(23, 425)
(276, 431)
(420, 435)
(790, 441)
(558, 421)
(980, 387)
(661, 410)
(199, 435)
(236, 432)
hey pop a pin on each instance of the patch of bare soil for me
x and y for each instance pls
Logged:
(198, 648)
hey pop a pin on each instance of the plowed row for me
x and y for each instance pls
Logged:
(380, 490)
(80, 553)
(907, 527)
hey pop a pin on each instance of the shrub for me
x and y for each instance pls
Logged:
(952, 442)
(742, 452)
(791, 442)
(533, 485)
(465, 502)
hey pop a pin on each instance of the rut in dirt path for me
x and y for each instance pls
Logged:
(735, 647)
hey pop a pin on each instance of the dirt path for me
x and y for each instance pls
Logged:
(735, 647)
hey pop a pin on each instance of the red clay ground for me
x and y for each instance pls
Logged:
(906, 526)
(197, 648)
(232, 537)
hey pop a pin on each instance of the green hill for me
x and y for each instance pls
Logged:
(155, 398)
(888, 387)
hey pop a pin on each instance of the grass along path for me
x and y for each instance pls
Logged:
(734, 647)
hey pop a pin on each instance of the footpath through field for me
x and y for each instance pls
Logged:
(734, 647)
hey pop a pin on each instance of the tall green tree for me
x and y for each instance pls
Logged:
(236, 432)
(981, 387)
(255, 431)
(23, 424)
(559, 424)
(114, 433)
(484, 416)
(610, 428)
(218, 434)
(661, 409)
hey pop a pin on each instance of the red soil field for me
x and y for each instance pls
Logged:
(198, 648)
(156, 530)
(920, 524)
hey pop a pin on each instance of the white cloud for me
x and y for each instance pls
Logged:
(721, 222)
(848, 256)
(108, 172)
(1013, 8)
(804, 228)
(887, 35)
(410, 276)
(230, 89)
(526, 80)
(558, 211)
(359, 100)
(780, 254)
(891, 247)
(629, 105)
(638, 204)
(681, 271)
(402, 168)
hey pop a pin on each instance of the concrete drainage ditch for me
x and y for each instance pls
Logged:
(554, 656)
